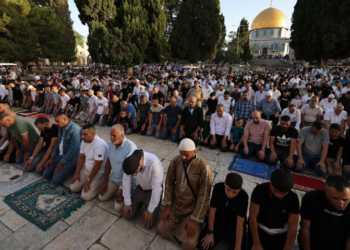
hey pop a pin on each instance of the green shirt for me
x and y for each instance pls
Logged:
(206, 129)
(83, 102)
(22, 127)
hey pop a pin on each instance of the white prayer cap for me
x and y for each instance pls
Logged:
(268, 93)
(331, 96)
(187, 145)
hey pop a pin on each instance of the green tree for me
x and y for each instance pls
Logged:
(222, 42)
(244, 50)
(320, 30)
(226, 56)
(196, 32)
(79, 39)
(171, 8)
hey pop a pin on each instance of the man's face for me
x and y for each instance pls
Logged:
(99, 95)
(192, 103)
(220, 111)
(7, 122)
(226, 97)
(269, 98)
(256, 118)
(245, 96)
(313, 102)
(221, 87)
(155, 103)
(40, 127)
(116, 137)
(285, 125)
(87, 136)
(172, 103)
(338, 111)
(278, 194)
(231, 193)
(60, 121)
(315, 131)
(187, 156)
(292, 110)
(339, 200)
(2, 108)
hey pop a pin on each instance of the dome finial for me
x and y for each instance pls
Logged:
(271, 4)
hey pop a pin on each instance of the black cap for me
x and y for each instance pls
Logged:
(131, 163)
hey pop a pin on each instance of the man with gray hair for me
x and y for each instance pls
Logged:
(179, 100)
(118, 149)
(269, 108)
(311, 112)
(336, 115)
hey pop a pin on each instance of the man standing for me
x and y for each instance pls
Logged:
(196, 92)
(187, 191)
(312, 148)
(283, 141)
(220, 127)
(311, 112)
(325, 216)
(244, 108)
(269, 109)
(171, 120)
(147, 170)
(64, 157)
(118, 149)
(91, 164)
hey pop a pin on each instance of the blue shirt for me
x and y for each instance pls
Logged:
(269, 108)
(244, 109)
(172, 115)
(117, 156)
(131, 109)
(56, 97)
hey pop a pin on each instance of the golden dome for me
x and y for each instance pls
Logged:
(270, 18)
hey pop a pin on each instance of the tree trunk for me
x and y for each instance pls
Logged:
(129, 70)
(324, 62)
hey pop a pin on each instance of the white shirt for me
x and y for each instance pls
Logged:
(94, 151)
(64, 100)
(76, 84)
(230, 102)
(293, 80)
(276, 94)
(149, 178)
(101, 104)
(213, 83)
(296, 102)
(136, 90)
(3, 91)
(251, 92)
(332, 117)
(220, 125)
(219, 94)
(345, 90)
(222, 81)
(207, 92)
(295, 117)
(259, 96)
(306, 98)
(328, 105)
(92, 103)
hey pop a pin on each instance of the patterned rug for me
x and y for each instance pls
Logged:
(13, 178)
(40, 115)
(43, 203)
(26, 113)
(79, 123)
(16, 109)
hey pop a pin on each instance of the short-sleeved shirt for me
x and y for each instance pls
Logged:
(83, 101)
(48, 134)
(22, 127)
(130, 109)
(332, 117)
(283, 138)
(312, 144)
(237, 133)
(334, 145)
(156, 112)
(256, 131)
(284, 101)
(125, 120)
(94, 151)
(75, 101)
(274, 212)
(101, 104)
(329, 228)
(64, 100)
(144, 108)
(212, 105)
(227, 209)
(310, 114)
(172, 115)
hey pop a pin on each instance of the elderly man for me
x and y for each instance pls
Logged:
(269, 108)
(118, 149)
(186, 199)
(179, 100)
(147, 170)
(324, 213)
(129, 109)
(191, 121)
(196, 92)
(65, 155)
(220, 127)
(91, 164)
(312, 148)
(311, 112)
(100, 113)
(244, 108)
(143, 92)
(336, 115)
(328, 103)
(171, 120)
(294, 115)
(255, 137)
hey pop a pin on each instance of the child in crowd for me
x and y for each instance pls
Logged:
(335, 150)
(237, 132)
(124, 120)
(211, 103)
(227, 215)
(296, 101)
(205, 131)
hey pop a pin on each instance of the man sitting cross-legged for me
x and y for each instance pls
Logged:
(91, 163)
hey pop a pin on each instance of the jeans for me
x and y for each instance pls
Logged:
(49, 111)
(313, 160)
(43, 109)
(58, 111)
(97, 118)
(165, 135)
(67, 170)
(128, 131)
(20, 158)
(218, 143)
(35, 162)
(282, 156)
(253, 150)
(152, 130)
(138, 128)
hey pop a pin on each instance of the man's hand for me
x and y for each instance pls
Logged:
(237, 149)
(289, 162)
(26, 156)
(195, 136)
(103, 188)
(164, 130)
(28, 163)
(232, 147)
(58, 168)
(18, 152)
(322, 166)
(126, 210)
(246, 150)
(87, 186)
(223, 143)
(182, 134)
(119, 198)
(277, 114)
(346, 168)
(109, 117)
(48, 164)
(261, 155)
(149, 128)
(300, 163)
(158, 128)
(72, 116)
(143, 127)
(190, 226)
(213, 140)
(147, 219)
(100, 120)
(173, 132)
(208, 241)
(39, 166)
(76, 177)
(135, 125)
(115, 120)
(273, 156)
(166, 214)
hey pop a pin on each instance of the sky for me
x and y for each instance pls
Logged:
(233, 10)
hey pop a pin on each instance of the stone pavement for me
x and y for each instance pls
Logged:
(95, 225)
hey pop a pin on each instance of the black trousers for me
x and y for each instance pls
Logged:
(267, 241)
(189, 134)
(138, 129)
(219, 139)
(274, 119)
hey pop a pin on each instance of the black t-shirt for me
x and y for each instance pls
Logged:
(334, 146)
(212, 105)
(274, 212)
(329, 228)
(125, 121)
(96, 88)
(326, 91)
(74, 101)
(293, 92)
(228, 209)
(125, 93)
(283, 139)
(144, 109)
(116, 107)
(346, 103)
(184, 92)
(48, 134)
(160, 95)
(236, 96)
(284, 101)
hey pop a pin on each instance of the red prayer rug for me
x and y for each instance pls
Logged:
(40, 115)
(307, 182)
(26, 113)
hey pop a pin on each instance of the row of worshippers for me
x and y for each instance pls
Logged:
(135, 178)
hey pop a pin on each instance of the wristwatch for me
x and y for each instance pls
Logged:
(88, 179)
(210, 231)
(150, 213)
(262, 150)
(31, 158)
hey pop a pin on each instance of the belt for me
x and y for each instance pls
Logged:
(139, 187)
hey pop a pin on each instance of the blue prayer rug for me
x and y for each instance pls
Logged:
(251, 167)
(44, 203)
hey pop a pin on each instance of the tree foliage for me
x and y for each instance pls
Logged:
(79, 39)
(196, 32)
(222, 42)
(320, 30)
(125, 32)
(228, 56)
(171, 8)
(244, 50)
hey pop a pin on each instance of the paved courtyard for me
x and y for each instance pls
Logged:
(95, 225)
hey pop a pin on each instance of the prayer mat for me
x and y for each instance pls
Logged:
(79, 122)
(40, 115)
(26, 113)
(307, 182)
(44, 203)
(16, 109)
(13, 178)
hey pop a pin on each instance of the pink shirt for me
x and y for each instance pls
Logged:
(256, 131)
